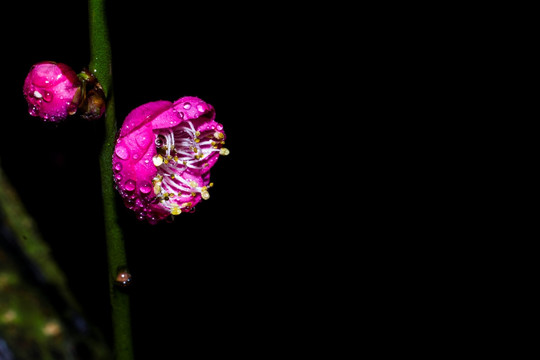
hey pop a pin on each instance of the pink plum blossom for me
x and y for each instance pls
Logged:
(163, 155)
(52, 91)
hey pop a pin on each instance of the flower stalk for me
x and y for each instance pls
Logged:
(100, 67)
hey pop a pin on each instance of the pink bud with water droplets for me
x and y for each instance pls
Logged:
(163, 156)
(52, 91)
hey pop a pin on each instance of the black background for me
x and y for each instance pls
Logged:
(220, 280)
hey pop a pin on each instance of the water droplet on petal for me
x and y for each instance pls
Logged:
(143, 141)
(118, 166)
(146, 188)
(118, 177)
(200, 108)
(187, 106)
(135, 156)
(47, 96)
(129, 185)
(33, 110)
(121, 151)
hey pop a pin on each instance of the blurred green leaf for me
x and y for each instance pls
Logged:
(39, 316)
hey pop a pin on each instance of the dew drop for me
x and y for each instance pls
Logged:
(118, 166)
(121, 151)
(129, 185)
(47, 96)
(33, 110)
(123, 277)
(187, 106)
(143, 141)
(200, 108)
(71, 107)
(146, 188)
(160, 139)
(135, 156)
(118, 177)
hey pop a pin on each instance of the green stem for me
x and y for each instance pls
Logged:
(100, 66)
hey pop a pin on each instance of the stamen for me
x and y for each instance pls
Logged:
(204, 193)
(179, 149)
(157, 187)
(157, 160)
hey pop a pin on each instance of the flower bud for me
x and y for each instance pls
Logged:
(92, 104)
(52, 91)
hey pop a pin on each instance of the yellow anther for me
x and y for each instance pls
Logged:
(193, 184)
(157, 187)
(176, 210)
(205, 194)
(157, 160)
(193, 194)
(197, 133)
(197, 140)
(176, 158)
(211, 184)
(224, 151)
(172, 176)
(219, 135)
